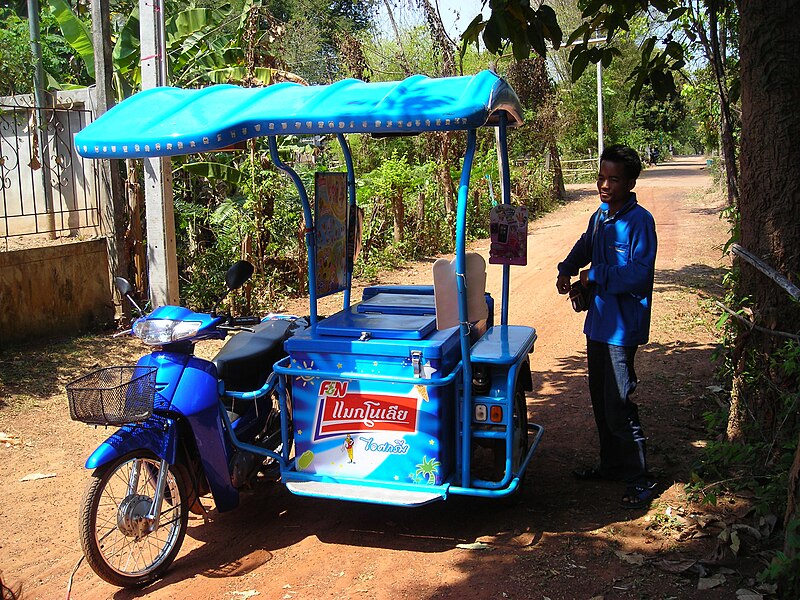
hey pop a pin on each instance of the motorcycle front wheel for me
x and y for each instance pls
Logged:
(115, 535)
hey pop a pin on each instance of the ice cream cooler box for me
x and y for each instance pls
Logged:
(378, 402)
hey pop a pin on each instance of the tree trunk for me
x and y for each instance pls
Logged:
(793, 506)
(134, 235)
(713, 43)
(770, 170)
(447, 186)
(558, 191)
(399, 215)
(422, 233)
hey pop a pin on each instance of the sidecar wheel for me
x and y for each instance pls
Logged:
(113, 532)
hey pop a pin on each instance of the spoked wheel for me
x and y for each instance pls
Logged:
(114, 529)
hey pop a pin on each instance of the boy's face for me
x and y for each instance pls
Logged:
(613, 184)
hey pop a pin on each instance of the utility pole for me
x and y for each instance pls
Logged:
(162, 259)
(600, 144)
(113, 211)
(599, 110)
(41, 104)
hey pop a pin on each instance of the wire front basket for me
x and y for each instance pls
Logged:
(113, 396)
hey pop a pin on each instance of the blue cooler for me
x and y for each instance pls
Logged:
(375, 413)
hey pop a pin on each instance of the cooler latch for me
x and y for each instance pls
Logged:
(416, 362)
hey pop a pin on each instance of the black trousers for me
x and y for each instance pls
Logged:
(612, 380)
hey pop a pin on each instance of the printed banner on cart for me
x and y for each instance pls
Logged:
(330, 230)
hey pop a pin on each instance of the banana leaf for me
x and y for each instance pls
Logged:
(75, 32)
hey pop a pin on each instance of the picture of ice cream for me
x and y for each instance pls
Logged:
(304, 460)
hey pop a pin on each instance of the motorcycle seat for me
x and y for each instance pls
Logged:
(246, 360)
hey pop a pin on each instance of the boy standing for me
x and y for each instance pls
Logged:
(620, 243)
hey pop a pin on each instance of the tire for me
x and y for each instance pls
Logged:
(108, 530)
(519, 443)
(272, 429)
(519, 418)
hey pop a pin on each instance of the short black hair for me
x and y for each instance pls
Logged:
(626, 156)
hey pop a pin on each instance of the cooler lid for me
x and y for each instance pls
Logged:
(438, 345)
(353, 324)
(398, 304)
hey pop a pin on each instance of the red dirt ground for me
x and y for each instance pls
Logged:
(564, 540)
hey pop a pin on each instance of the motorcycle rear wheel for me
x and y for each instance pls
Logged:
(110, 528)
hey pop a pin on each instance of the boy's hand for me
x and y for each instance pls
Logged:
(562, 284)
(585, 277)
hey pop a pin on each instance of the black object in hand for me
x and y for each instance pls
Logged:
(580, 296)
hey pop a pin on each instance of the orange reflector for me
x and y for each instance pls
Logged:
(496, 414)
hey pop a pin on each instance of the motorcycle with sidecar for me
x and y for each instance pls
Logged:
(406, 396)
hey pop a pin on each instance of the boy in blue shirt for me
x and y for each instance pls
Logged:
(620, 243)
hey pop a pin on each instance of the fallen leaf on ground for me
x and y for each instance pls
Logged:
(674, 566)
(475, 546)
(514, 538)
(35, 476)
(745, 594)
(706, 583)
(633, 558)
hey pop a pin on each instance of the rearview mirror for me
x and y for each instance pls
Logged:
(238, 274)
(123, 286)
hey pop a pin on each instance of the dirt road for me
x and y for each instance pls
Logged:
(564, 540)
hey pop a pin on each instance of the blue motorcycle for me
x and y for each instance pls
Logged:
(189, 426)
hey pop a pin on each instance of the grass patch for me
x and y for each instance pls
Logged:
(34, 375)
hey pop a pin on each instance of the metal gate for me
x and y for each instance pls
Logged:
(47, 190)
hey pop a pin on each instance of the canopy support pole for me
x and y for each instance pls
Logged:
(308, 220)
(463, 316)
(505, 179)
(352, 216)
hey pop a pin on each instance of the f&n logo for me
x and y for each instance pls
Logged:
(333, 389)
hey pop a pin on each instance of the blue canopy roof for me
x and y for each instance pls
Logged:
(168, 121)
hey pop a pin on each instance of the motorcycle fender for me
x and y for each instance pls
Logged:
(157, 435)
(198, 392)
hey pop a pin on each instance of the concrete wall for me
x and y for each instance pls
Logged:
(52, 290)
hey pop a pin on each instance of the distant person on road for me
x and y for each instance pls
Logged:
(620, 243)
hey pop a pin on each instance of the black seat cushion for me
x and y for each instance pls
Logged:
(246, 360)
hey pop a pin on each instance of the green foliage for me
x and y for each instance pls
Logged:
(518, 24)
(76, 32)
(762, 461)
(785, 568)
(16, 58)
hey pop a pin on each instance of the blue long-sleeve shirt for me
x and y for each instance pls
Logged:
(622, 250)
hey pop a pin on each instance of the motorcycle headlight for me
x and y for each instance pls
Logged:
(157, 332)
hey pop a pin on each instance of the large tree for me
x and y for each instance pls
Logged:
(770, 201)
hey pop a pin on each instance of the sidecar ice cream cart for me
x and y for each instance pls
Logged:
(413, 393)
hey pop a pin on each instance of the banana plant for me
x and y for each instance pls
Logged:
(199, 49)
